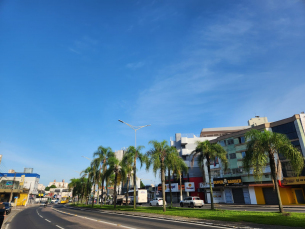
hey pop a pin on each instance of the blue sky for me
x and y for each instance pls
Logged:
(70, 69)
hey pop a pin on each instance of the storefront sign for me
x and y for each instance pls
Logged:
(217, 196)
(293, 180)
(174, 187)
(189, 186)
(229, 181)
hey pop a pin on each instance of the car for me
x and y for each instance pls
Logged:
(56, 202)
(43, 203)
(192, 201)
(8, 207)
(158, 201)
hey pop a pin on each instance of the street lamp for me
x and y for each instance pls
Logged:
(87, 158)
(135, 128)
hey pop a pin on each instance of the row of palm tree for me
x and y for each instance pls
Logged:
(262, 148)
(106, 168)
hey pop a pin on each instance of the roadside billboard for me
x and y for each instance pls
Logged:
(189, 186)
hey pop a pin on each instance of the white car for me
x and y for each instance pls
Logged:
(158, 201)
(192, 202)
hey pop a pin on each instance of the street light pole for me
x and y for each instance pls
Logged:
(135, 128)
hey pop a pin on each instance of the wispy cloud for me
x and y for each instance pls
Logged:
(84, 44)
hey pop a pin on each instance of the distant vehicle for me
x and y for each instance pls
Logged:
(8, 207)
(56, 202)
(43, 203)
(121, 200)
(191, 201)
(141, 196)
(64, 200)
(158, 201)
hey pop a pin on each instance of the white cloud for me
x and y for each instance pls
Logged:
(135, 65)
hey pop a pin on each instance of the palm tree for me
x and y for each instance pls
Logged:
(209, 151)
(87, 172)
(127, 161)
(95, 175)
(115, 166)
(72, 185)
(103, 154)
(133, 154)
(156, 158)
(264, 145)
(178, 166)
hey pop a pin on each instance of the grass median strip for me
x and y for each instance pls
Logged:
(269, 218)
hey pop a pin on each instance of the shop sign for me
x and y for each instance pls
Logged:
(293, 180)
(174, 187)
(217, 196)
(228, 181)
(189, 186)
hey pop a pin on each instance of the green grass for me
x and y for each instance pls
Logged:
(271, 218)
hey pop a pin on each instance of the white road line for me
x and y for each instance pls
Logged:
(59, 227)
(7, 226)
(48, 220)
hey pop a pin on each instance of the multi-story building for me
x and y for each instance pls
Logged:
(59, 184)
(18, 187)
(186, 144)
(237, 186)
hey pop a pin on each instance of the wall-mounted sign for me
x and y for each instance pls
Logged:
(217, 196)
(293, 180)
(174, 187)
(189, 186)
(9, 183)
(228, 181)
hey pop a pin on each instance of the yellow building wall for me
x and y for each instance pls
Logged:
(260, 199)
(20, 200)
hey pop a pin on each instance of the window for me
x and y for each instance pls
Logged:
(232, 155)
(241, 140)
(243, 154)
(222, 143)
(230, 142)
(182, 146)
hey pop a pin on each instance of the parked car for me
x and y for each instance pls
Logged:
(191, 201)
(43, 203)
(158, 201)
(56, 202)
(8, 207)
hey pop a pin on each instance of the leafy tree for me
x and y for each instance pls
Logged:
(128, 162)
(89, 173)
(176, 164)
(142, 185)
(95, 175)
(48, 188)
(117, 167)
(209, 151)
(262, 147)
(133, 154)
(156, 158)
(103, 154)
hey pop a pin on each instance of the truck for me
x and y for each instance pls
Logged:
(121, 200)
(141, 196)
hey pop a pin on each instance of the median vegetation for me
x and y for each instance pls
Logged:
(269, 218)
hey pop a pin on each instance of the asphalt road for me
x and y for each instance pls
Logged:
(58, 216)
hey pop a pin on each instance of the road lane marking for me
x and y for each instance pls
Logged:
(59, 227)
(48, 220)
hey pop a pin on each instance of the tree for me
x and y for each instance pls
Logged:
(117, 167)
(142, 185)
(128, 161)
(103, 154)
(156, 158)
(48, 188)
(133, 154)
(262, 146)
(177, 165)
(89, 173)
(209, 151)
(95, 175)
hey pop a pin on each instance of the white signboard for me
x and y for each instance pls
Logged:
(217, 196)
(175, 187)
(189, 186)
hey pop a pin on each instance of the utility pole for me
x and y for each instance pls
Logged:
(12, 189)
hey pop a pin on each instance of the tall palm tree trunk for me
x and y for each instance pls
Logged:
(170, 188)
(115, 192)
(93, 195)
(127, 188)
(102, 197)
(163, 184)
(274, 177)
(134, 181)
(181, 198)
(210, 182)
